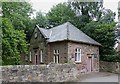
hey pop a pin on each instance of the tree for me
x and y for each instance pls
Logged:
(107, 16)
(13, 43)
(59, 14)
(41, 20)
(92, 10)
(19, 15)
(104, 34)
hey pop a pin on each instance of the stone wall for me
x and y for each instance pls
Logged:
(89, 56)
(39, 73)
(63, 51)
(113, 67)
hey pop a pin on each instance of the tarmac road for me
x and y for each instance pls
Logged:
(100, 77)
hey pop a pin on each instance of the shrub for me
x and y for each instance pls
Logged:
(111, 58)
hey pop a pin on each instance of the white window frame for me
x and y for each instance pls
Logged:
(56, 56)
(78, 54)
(57, 51)
(54, 52)
(57, 59)
(36, 35)
(30, 56)
(41, 55)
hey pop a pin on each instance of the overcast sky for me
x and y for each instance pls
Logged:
(45, 5)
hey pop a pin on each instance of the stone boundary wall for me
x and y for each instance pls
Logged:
(39, 73)
(113, 67)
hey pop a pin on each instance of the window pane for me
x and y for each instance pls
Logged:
(78, 59)
(75, 56)
(76, 50)
(41, 56)
(57, 51)
(30, 58)
(57, 59)
(79, 50)
(54, 59)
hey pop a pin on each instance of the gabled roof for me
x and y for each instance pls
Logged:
(67, 31)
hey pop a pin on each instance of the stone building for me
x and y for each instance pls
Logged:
(63, 44)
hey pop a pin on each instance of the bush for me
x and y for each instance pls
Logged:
(111, 58)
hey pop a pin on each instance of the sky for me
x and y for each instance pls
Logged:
(45, 5)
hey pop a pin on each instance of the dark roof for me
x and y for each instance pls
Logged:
(67, 31)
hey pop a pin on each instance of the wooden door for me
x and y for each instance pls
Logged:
(89, 64)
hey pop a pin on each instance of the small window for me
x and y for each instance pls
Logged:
(30, 56)
(57, 59)
(55, 51)
(41, 55)
(35, 35)
(56, 56)
(77, 55)
(95, 55)
(54, 59)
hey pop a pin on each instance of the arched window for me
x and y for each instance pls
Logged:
(77, 55)
(30, 57)
(41, 56)
(56, 56)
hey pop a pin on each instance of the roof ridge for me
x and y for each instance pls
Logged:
(67, 31)
(58, 26)
(42, 31)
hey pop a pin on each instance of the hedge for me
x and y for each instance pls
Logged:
(111, 58)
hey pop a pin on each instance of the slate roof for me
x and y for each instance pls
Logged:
(67, 31)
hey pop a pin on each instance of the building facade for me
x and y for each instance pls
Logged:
(63, 44)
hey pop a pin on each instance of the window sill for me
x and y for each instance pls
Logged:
(41, 63)
(78, 62)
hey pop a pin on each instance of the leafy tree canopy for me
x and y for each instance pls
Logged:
(41, 20)
(19, 15)
(92, 10)
(104, 34)
(59, 14)
(13, 43)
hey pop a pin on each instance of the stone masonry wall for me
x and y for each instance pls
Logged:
(87, 64)
(39, 73)
(113, 67)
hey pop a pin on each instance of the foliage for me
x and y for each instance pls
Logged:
(41, 20)
(92, 10)
(111, 58)
(19, 15)
(59, 14)
(104, 34)
(107, 17)
(83, 15)
(13, 43)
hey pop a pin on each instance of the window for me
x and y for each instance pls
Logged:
(26, 58)
(77, 55)
(30, 56)
(56, 56)
(35, 35)
(41, 55)
(55, 52)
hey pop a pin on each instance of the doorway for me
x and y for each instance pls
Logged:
(36, 56)
(89, 64)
